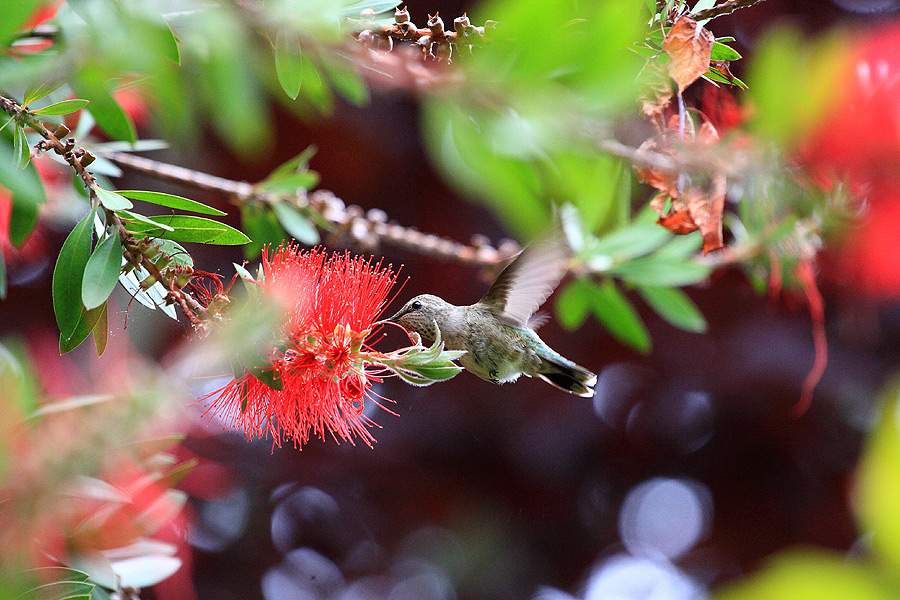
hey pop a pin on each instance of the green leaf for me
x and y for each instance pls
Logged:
(159, 35)
(129, 217)
(722, 52)
(681, 247)
(267, 375)
(878, 481)
(243, 272)
(59, 574)
(512, 186)
(37, 91)
(62, 590)
(22, 150)
(347, 81)
(288, 183)
(597, 186)
(378, 6)
(811, 575)
(87, 320)
(139, 146)
(653, 271)
(111, 200)
(101, 331)
(102, 271)
(15, 14)
(68, 274)
(288, 62)
(229, 82)
(615, 312)
(714, 75)
(171, 201)
(315, 88)
(110, 117)
(175, 250)
(263, 227)
(101, 594)
(296, 224)
(674, 306)
(573, 304)
(629, 242)
(187, 228)
(24, 184)
(296, 165)
(62, 108)
(22, 219)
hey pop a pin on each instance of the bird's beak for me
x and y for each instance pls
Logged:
(395, 317)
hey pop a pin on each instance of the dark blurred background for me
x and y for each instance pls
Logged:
(684, 471)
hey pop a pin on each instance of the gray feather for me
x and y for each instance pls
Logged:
(524, 285)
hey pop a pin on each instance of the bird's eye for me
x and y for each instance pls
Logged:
(416, 305)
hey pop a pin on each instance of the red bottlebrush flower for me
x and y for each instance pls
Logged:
(331, 304)
(859, 142)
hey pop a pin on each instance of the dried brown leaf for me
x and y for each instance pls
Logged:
(679, 223)
(705, 208)
(689, 47)
(665, 182)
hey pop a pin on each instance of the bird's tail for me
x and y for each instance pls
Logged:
(566, 375)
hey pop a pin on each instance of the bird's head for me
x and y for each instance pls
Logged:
(423, 314)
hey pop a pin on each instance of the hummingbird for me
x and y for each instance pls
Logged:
(498, 332)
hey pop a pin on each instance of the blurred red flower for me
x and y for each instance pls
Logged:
(331, 304)
(859, 141)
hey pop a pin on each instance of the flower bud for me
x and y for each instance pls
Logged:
(61, 132)
(87, 159)
(148, 282)
(401, 15)
(366, 37)
(384, 43)
(376, 215)
(436, 25)
(162, 261)
(407, 29)
(183, 278)
(150, 251)
(462, 25)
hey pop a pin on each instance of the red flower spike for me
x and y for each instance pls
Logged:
(330, 305)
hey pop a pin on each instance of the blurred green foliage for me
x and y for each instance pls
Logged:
(810, 575)
(878, 483)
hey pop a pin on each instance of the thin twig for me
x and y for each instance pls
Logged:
(726, 8)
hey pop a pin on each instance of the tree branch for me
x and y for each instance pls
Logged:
(368, 228)
(79, 159)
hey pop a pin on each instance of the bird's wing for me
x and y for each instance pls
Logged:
(529, 280)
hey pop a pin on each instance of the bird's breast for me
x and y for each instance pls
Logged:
(495, 351)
